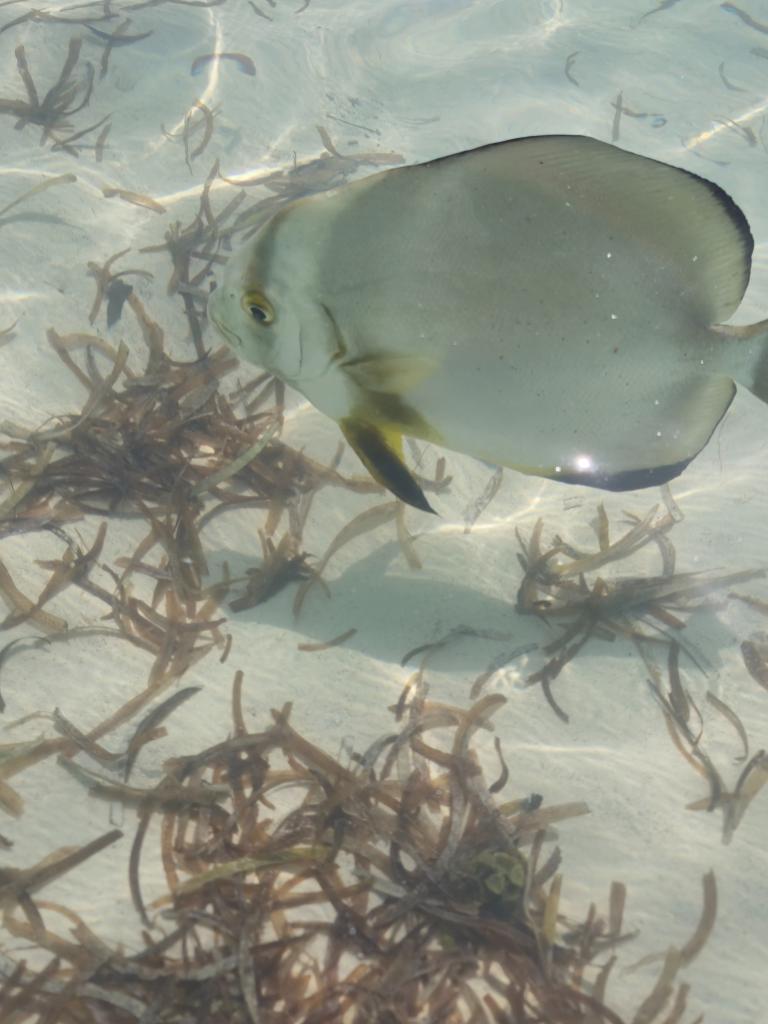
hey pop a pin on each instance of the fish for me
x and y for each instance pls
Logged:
(552, 304)
(242, 60)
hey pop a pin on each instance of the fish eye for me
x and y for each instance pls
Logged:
(259, 307)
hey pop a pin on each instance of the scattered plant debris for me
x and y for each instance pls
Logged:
(66, 97)
(686, 725)
(643, 609)
(302, 889)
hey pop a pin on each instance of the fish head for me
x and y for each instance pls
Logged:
(265, 308)
(255, 316)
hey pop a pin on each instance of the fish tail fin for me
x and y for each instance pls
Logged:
(750, 356)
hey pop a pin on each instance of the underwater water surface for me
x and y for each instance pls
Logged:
(180, 535)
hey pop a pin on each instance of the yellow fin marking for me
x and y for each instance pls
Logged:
(380, 449)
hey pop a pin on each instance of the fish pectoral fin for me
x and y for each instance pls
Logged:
(381, 452)
(389, 374)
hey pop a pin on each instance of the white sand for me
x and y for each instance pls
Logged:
(425, 78)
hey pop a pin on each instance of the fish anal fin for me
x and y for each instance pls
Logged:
(626, 480)
(691, 413)
(389, 374)
(380, 449)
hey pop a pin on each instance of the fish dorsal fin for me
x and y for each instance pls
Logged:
(380, 449)
(692, 225)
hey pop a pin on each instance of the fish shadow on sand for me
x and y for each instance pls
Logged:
(395, 612)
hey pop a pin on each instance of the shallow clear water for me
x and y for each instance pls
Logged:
(390, 82)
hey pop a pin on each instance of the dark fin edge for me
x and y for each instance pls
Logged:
(627, 480)
(384, 464)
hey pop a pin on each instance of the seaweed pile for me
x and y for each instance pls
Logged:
(395, 887)
(163, 445)
(646, 610)
(643, 609)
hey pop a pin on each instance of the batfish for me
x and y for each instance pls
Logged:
(553, 304)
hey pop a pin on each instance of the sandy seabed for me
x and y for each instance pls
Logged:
(384, 83)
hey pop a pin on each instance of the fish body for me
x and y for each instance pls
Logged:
(552, 304)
